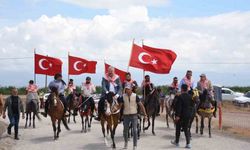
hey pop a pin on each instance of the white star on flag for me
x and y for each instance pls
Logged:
(154, 61)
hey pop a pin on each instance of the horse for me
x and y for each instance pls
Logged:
(85, 113)
(170, 107)
(1, 104)
(111, 116)
(205, 110)
(56, 112)
(73, 102)
(31, 107)
(196, 101)
(151, 105)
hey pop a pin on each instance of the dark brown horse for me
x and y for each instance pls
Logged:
(73, 102)
(31, 107)
(85, 113)
(56, 112)
(206, 110)
(151, 105)
(111, 117)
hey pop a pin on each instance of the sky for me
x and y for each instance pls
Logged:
(208, 36)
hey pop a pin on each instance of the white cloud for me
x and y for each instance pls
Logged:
(221, 38)
(111, 4)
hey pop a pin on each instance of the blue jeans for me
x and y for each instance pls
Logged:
(14, 121)
(133, 119)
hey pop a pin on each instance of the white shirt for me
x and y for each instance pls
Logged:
(88, 89)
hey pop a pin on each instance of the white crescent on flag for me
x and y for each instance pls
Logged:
(75, 66)
(41, 64)
(141, 55)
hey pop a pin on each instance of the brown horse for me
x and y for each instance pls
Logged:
(56, 112)
(31, 107)
(1, 104)
(73, 100)
(151, 105)
(205, 110)
(111, 117)
(85, 113)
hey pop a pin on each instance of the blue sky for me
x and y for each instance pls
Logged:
(199, 31)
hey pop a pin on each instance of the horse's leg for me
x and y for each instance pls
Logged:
(153, 124)
(58, 128)
(54, 128)
(82, 122)
(146, 128)
(89, 121)
(112, 136)
(139, 128)
(69, 116)
(143, 125)
(30, 119)
(26, 119)
(34, 118)
(85, 125)
(74, 116)
(202, 125)
(103, 128)
(209, 126)
(197, 124)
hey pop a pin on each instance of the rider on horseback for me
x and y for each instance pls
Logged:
(147, 86)
(187, 80)
(110, 83)
(88, 89)
(31, 91)
(205, 84)
(59, 84)
(130, 81)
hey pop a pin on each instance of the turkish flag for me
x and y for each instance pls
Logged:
(47, 65)
(120, 73)
(152, 59)
(79, 65)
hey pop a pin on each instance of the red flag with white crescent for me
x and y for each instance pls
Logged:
(79, 65)
(47, 65)
(152, 59)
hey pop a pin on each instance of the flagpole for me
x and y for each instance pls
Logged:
(143, 80)
(68, 67)
(130, 54)
(46, 78)
(34, 66)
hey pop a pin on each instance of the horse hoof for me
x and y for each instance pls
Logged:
(154, 134)
(210, 136)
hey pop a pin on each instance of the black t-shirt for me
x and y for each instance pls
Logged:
(14, 104)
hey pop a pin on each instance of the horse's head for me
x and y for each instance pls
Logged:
(195, 95)
(53, 98)
(205, 99)
(111, 105)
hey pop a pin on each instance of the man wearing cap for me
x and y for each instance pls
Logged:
(174, 87)
(130, 101)
(187, 80)
(110, 83)
(147, 86)
(88, 89)
(60, 85)
(183, 112)
(71, 86)
(205, 84)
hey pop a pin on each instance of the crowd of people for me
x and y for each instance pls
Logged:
(125, 93)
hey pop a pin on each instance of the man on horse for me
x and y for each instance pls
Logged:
(110, 83)
(187, 80)
(205, 84)
(31, 91)
(71, 87)
(129, 80)
(183, 113)
(174, 87)
(88, 89)
(60, 85)
(130, 101)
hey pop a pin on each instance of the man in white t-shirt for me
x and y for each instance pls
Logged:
(88, 89)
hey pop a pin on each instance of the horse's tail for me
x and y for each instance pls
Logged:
(65, 123)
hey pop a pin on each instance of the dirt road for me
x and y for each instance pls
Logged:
(42, 138)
